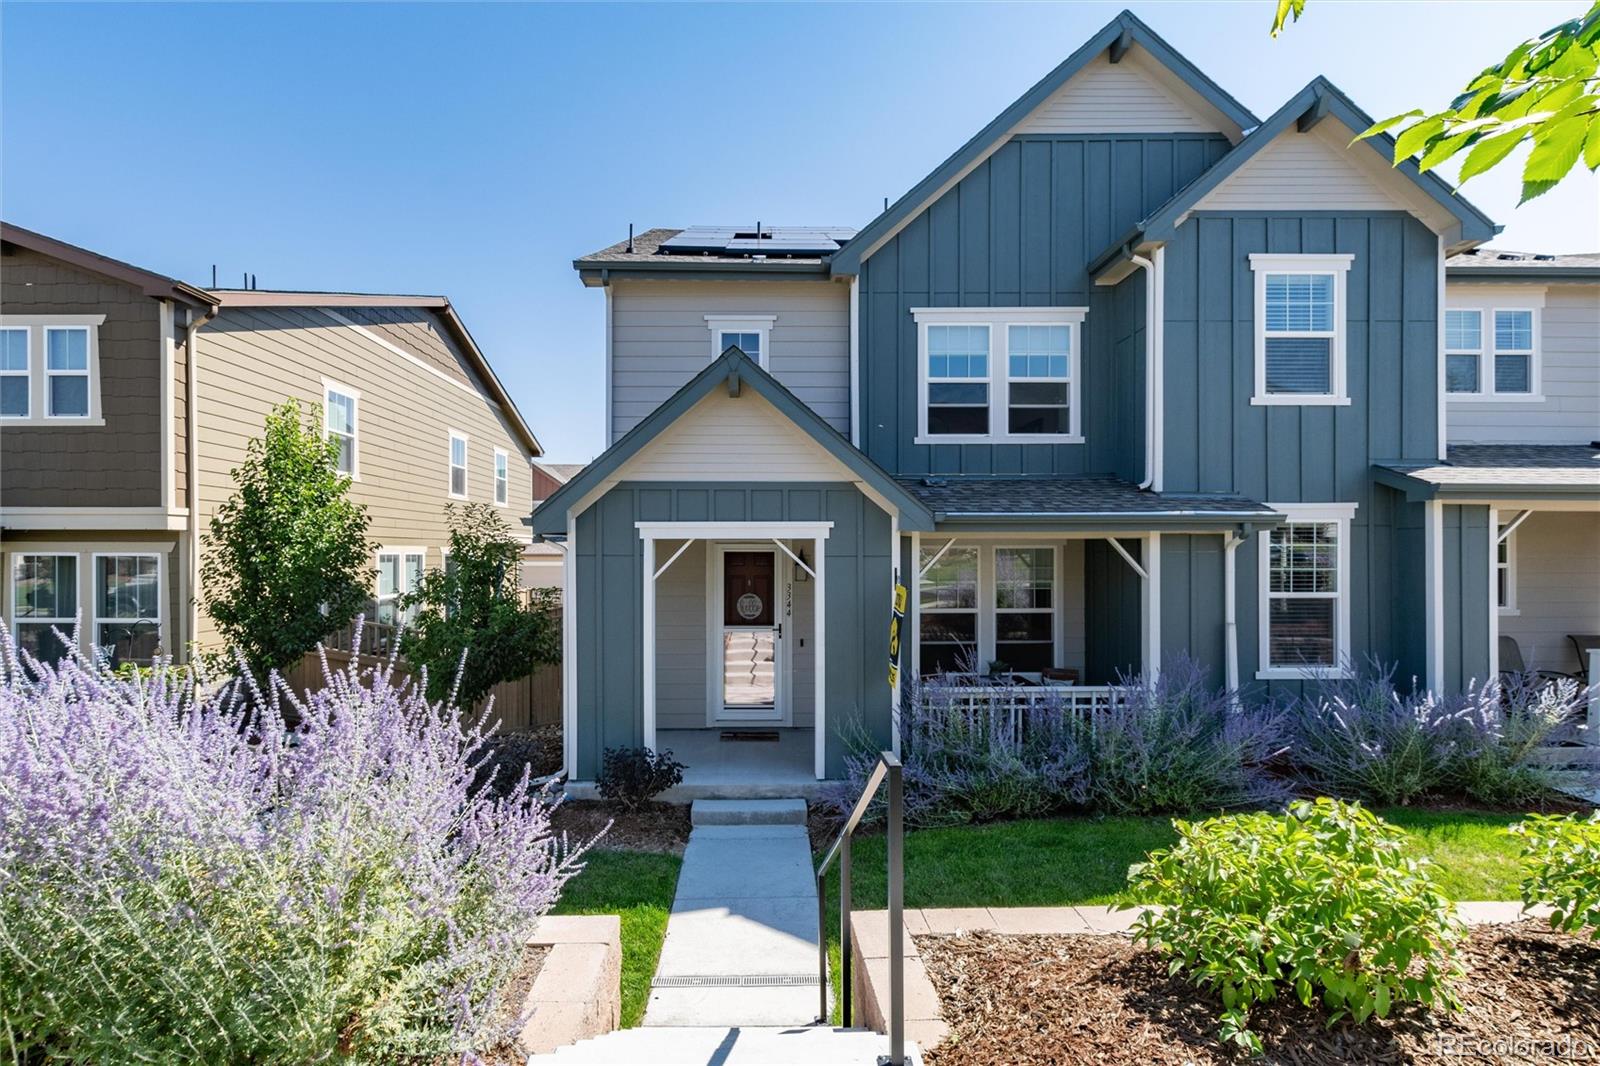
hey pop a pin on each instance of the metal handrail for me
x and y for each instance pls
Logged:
(888, 766)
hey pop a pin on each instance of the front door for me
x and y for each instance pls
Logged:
(751, 637)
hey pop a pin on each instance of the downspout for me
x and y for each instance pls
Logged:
(192, 449)
(1230, 613)
(1153, 310)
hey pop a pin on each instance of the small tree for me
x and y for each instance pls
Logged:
(287, 560)
(474, 607)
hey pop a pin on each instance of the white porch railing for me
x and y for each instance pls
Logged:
(1010, 710)
(1593, 732)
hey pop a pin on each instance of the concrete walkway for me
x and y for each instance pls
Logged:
(741, 946)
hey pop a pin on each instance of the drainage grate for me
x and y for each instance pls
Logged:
(769, 980)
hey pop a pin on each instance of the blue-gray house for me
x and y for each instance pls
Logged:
(1133, 374)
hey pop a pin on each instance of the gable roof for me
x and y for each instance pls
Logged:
(437, 305)
(1119, 34)
(1320, 99)
(156, 286)
(642, 257)
(737, 371)
(1502, 264)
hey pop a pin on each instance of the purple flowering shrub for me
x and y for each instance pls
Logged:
(1364, 738)
(184, 879)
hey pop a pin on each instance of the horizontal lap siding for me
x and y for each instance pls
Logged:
(1216, 441)
(1558, 586)
(610, 587)
(660, 339)
(1019, 230)
(1570, 356)
(253, 359)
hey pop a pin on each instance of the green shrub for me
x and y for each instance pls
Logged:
(1320, 902)
(1561, 858)
(631, 777)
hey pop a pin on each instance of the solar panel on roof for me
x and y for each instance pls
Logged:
(768, 240)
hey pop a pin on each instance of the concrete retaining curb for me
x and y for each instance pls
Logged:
(869, 936)
(578, 993)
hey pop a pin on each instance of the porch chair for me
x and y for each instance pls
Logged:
(1512, 662)
(1583, 644)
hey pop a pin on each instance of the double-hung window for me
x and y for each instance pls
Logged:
(998, 375)
(44, 600)
(502, 477)
(67, 371)
(948, 609)
(1491, 343)
(1300, 329)
(16, 382)
(1024, 608)
(127, 611)
(399, 571)
(340, 420)
(458, 465)
(1505, 570)
(748, 333)
(1305, 599)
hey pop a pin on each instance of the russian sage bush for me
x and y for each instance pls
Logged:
(183, 880)
(1175, 744)
(1363, 738)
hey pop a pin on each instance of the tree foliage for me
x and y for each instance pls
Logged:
(1545, 92)
(474, 608)
(287, 560)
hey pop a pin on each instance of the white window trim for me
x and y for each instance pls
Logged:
(26, 373)
(450, 466)
(977, 610)
(1487, 300)
(1476, 353)
(762, 324)
(1509, 608)
(986, 625)
(331, 386)
(39, 373)
(94, 594)
(400, 552)
(1337, 265)
(63, 623)
(502, 485)
(1341, 515)
(995, 610)
(999, 379)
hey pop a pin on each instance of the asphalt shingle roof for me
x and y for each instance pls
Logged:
(647, 246)
(1064, 496)
(1533, 262)
(1511, 464)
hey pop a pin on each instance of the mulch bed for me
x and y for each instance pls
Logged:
(656, 827)
(1529, 996)
(513, 996)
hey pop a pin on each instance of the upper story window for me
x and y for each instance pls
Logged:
(998, 374)
(1491, 344)
(15, 387)
(340, 421)
(749, 333)
(49, 368)
(458, 465)
(1305, 599)
(502, 477)
(1300, 329)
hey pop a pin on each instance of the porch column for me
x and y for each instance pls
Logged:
(569, 651)
(1433, 590)
(648, 637)
(1494, 596)
(819, 728)
(1150, 646)
(913, 647)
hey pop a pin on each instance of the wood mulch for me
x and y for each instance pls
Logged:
(508, 1009)
(1529, 996)
(655, 827)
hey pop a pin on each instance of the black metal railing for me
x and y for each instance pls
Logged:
(888, 767)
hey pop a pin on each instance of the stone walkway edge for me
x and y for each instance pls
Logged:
(869, 932)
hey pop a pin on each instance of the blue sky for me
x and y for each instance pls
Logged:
(476, 150)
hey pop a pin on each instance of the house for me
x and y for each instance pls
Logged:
(544, 563)
(1520, 486)
(128, 398)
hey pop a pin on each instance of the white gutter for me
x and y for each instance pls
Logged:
(192, 401)
(855, 361)
(1154, 313)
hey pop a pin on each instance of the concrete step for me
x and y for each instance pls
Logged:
(1567, 755)
(788, 811)
(717, 1046)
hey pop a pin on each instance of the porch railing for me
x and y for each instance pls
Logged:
(887, 768)
(1012, 710)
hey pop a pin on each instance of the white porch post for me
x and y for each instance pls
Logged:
(1433, 581)
(894, 580)
(1230, 613)
(569, 651)
(1494, 597)
(648, 635)
(1594, 696)
(1151, 645)
(820, 725)
(914, 610)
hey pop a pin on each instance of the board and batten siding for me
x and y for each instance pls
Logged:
(608, 595)
(251, 359)
(1569, 353)
(1558, 586)
(660, 339)
(1019, 231)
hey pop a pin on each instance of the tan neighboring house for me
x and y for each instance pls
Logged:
(128, 398)
(544, 563)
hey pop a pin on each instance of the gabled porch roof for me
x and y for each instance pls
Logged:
(734, 371)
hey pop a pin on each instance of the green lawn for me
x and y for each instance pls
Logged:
(1064, 861)
(638, 885)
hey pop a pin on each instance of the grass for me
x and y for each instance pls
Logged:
(1056, 862)
(638, 885)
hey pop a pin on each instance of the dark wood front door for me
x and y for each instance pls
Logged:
(747, 589)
